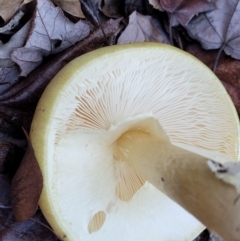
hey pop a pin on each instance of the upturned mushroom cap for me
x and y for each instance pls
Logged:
(96, 102)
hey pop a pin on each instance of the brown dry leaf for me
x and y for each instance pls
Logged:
(143, 28)
(51, 33)
(9, 8)
(26, 186)
(72, 7)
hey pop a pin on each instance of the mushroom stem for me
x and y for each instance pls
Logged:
(185, 177)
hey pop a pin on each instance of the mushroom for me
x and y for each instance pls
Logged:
(119, 122)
